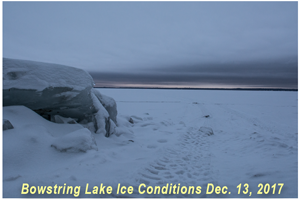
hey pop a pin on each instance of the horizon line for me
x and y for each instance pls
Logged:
(190, 88)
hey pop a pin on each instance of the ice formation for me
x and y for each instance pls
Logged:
(52, 89)
(109, 104)
(63, 120)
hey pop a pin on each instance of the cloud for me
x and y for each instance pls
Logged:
(206, 38)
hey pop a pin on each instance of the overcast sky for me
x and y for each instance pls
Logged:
(181, 44)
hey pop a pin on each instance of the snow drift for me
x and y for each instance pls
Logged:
(77, 141)
(52, 89)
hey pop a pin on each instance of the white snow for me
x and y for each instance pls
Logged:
(77, 141)
(20, 116)
(254, 141)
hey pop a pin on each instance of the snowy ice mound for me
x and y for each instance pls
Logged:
(109, 104)
(77, 141)
(52, 89)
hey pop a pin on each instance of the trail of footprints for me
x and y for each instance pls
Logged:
(187, 164)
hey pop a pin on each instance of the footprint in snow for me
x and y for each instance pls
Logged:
(187, 163)
(151, 146)
(162, 140)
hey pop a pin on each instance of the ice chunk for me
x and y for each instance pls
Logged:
(7, 125)
(112, 127)
(63, 120)
(109, 104)
(101, 117)
(77, 141)
(51, 89)
(46, 88)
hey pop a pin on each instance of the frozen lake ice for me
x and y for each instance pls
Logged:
(183, 137)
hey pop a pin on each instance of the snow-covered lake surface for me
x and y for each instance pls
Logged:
(255, 140)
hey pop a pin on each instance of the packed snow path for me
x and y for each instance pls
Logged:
(188, 162)
(254, 141)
